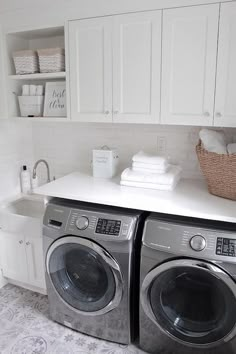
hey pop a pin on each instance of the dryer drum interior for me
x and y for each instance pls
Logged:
(193, 302)
(84, 275)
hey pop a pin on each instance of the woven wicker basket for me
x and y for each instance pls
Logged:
(26, 62)
(51, 60)
(219, 171)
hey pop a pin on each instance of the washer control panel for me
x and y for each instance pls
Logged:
(226, 247)
(198, 243)
(108, 227)
(100, 225)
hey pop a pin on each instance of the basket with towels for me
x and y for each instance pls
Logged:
(218, 163)
(150, 171)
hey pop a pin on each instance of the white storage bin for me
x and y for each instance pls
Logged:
(26, 62)
(31, 106)
(105, 162)
(51, 60)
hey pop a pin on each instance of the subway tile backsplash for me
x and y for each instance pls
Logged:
(68, 146)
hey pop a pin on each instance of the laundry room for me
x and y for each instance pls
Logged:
(118, 177)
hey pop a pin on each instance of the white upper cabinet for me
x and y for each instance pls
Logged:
(115, 65)
(189, 65)
(136, 67)
(90, 55)
(225, 104)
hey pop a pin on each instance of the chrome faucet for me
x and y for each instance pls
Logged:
(47, 166)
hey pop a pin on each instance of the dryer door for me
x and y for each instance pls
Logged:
(191, 301)
(85, 276)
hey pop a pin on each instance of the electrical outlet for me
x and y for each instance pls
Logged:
(161, 145)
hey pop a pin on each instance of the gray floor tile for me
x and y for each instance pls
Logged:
(25, 328)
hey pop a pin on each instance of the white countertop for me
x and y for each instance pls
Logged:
(190, 198)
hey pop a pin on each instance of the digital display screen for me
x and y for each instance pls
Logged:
(108, 227)
(226, 247)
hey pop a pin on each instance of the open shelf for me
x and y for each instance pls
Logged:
(41, 38)
(39, 76)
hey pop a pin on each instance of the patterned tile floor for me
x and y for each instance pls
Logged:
(25, 328)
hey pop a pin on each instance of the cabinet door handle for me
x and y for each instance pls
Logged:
(218, 115)
(20, 242)
(206, 114)
(27, 243)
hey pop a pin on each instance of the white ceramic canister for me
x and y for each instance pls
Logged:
(105, 162)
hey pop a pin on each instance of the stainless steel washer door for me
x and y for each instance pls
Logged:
(192, 301)
(85, 276)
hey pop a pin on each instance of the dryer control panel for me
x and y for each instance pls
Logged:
(189, 240)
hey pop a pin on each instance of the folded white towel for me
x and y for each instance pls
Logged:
(149, 159)
(214, 141)
(140, 166)
(163, 187)
(147, 177)
(231, 148)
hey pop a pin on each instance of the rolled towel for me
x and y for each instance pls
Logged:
(213, 141)
(149, 159)
(162, 187)
(156, 178)
(231, 148)
(146, 167)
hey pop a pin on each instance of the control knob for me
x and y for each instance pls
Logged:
(198, 243)
(82, 223)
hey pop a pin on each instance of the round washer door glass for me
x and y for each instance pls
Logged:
(194, 303)
(81, 275)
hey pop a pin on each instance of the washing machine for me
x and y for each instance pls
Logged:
(187, 286)
(89, 256)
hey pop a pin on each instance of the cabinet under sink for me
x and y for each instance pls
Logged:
(21, 248)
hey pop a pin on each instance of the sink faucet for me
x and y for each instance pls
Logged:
(47, 166)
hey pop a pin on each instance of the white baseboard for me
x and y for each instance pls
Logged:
(3, 281)
(27, 286)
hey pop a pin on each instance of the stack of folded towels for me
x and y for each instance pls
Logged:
(215, 141)
(149, 171)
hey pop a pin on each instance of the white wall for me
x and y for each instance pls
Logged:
(16, 149)
(68, 146)
(24, 13)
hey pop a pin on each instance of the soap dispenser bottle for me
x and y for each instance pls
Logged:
(25, 180)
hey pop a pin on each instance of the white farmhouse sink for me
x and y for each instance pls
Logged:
(26, 207)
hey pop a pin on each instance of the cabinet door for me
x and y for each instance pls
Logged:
(225, 104)
(90, 55)
(189, 64)
(136, 67)
(35, 261)
(14, 265)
